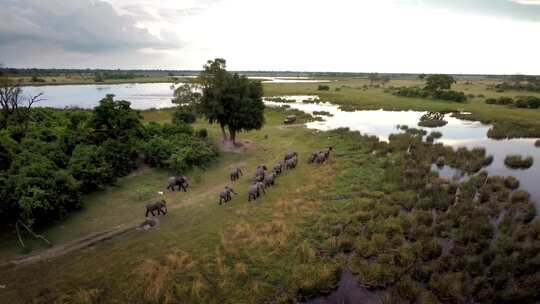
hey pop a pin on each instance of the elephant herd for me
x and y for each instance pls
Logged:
(263, 179)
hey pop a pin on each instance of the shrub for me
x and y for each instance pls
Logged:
(520, 196)
(182, 115)
(323, 87)
(157, 151)
(511, 183)
(537, 143)
(500, 101)
(528, 102)
(436, 134)
(450, 95)
(202, 133)
(89, 166)
(518, 162)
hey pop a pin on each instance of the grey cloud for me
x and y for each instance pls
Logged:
(85, 26)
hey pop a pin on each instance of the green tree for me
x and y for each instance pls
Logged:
(89, 166)
(114, 119)
(233, 101)
(40, 191)
(439, 82)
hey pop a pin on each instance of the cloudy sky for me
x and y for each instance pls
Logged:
(446, 36)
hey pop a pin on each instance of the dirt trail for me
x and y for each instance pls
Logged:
(58, 250)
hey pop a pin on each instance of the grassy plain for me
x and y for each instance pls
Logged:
(271, 227)
(293, 242)
(351, 92)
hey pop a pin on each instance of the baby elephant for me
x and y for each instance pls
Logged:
(255, 191)
(159, 206)
(225, 195)
(235, 174)
(180, 181)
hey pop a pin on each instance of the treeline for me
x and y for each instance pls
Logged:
(437, 87)
(524, 102)
(520, 83)
(51, 157)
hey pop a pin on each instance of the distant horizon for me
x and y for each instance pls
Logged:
(256, 71)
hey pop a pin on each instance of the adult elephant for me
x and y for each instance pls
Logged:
(180, 181)
(159, 206)
(290, 155)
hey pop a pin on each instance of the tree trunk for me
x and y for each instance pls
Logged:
(223, 132)
(233, 135)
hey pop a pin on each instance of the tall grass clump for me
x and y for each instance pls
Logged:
(515, 161)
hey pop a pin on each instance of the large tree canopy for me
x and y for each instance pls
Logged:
(439, 82)
(233, 101)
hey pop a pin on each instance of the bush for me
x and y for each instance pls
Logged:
(89, 166)
(537, 143)
(528, 102)
(511, 183)
(323, 87)
(518, 162)
(182, 115)
(520, 196)
(202, 133)
(450, 95)
(157, 151)
(41, 192)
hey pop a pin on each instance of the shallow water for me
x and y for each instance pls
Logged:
(350, 292)
(141, 95)
(457, 133)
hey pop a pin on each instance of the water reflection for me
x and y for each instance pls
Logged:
(456, 133)
(141, 95)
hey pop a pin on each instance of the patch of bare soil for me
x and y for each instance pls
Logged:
(285, 127)
(241, 146)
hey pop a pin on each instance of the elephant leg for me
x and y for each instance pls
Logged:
(152, 212)
(146, 214)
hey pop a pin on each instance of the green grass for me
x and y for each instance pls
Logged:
(524, 122)
(195, 223)
(288, 244)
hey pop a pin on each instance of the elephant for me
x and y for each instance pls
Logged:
(225, 195)
(269, 180)
(235, 174)
(323, 156)
(255, 191)
(278, 168)
(290, 155)
(160, 206)
(327, 152)
(180, 181)
(260, 173)
(313, 156)
(291, 163)
(261, 170)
